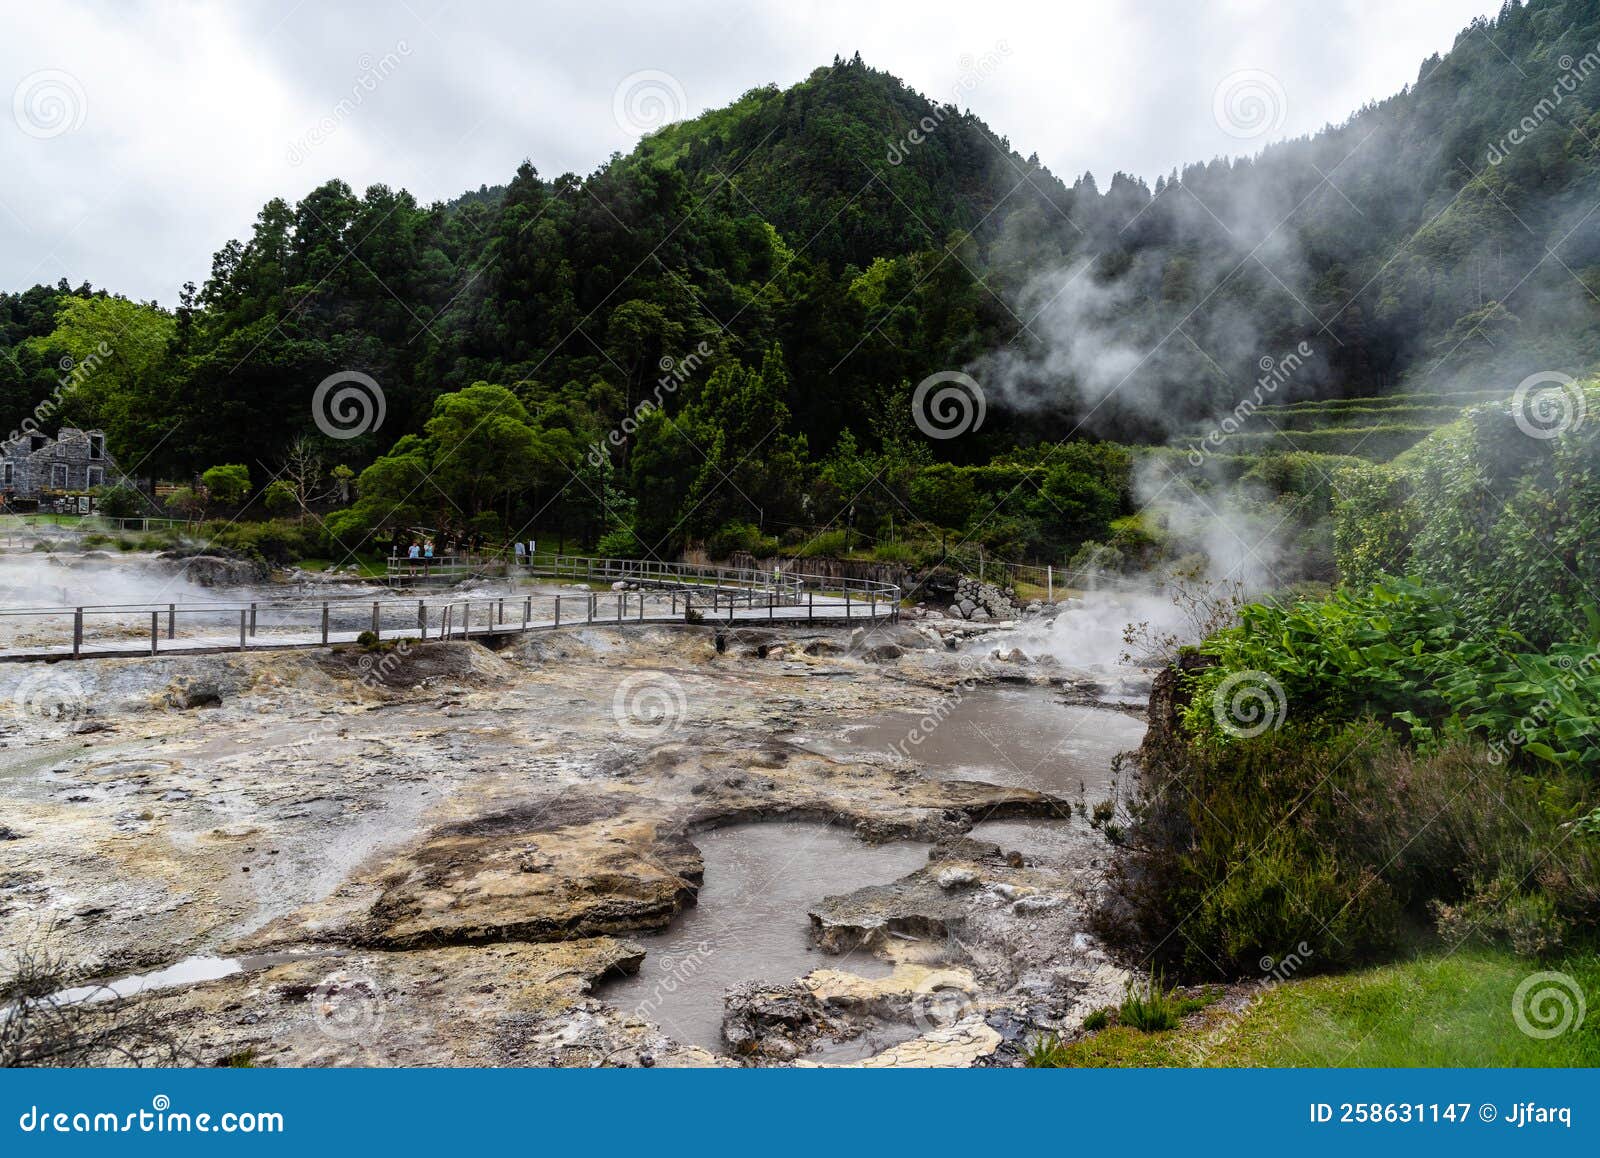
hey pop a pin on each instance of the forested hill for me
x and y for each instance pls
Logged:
(1446, 234)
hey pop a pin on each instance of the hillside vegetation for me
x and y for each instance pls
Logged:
(798, 249)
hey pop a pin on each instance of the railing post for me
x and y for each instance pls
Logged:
(502, 611)
(810, 604)
(77, 633)
(1049, 583)
(558, 609)
(324, 622)
(172, 621)
(252, 619)
(375, 617)
(847, 603)
(244, 624)
(620, 598)
(155, 631)
(588, 608)
(422, 618)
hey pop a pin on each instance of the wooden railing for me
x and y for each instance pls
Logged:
(660, 593)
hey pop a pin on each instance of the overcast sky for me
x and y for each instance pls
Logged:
(144, 135)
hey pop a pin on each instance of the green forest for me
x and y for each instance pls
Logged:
(736, 313)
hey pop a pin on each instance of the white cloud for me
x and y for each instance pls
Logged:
(192, 112)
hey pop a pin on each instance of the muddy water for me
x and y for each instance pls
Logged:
(751, 922)
(189, 971)
(1019, 737)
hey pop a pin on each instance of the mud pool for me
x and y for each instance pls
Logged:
(760, 880)
(1019, 737)
(750, 923)
(476, 856)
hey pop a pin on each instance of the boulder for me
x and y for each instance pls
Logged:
(215, 570)
(957, 878)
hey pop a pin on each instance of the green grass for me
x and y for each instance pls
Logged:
(1152, 1008)
(1438, 1009)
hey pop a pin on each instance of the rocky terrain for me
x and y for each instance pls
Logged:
(980, 601)
(432, 854)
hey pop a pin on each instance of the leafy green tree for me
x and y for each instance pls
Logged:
(228, 484)
(945, 495)
(481, 450)
(119, 502)
(280, 497)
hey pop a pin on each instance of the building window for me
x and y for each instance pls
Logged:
(61, 449)
(58, 476)
(97, 475)
(97, 446)
(8, 475)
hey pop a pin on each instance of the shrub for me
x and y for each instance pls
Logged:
(119, 502)
(1149, 1007)
(1509, 523)
(620, 544)
(737, 537)
(1409, 656)
(827, 544)
(279, 541)
(1331, 844)
(1096, 1021)
(227, 484)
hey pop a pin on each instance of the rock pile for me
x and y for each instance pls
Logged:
(980, 601)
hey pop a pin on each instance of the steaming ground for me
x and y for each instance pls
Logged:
(452, 859)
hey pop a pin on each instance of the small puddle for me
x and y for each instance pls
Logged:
(189, 971)
(751, 923)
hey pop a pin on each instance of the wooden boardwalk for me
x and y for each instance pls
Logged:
(659, 597)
